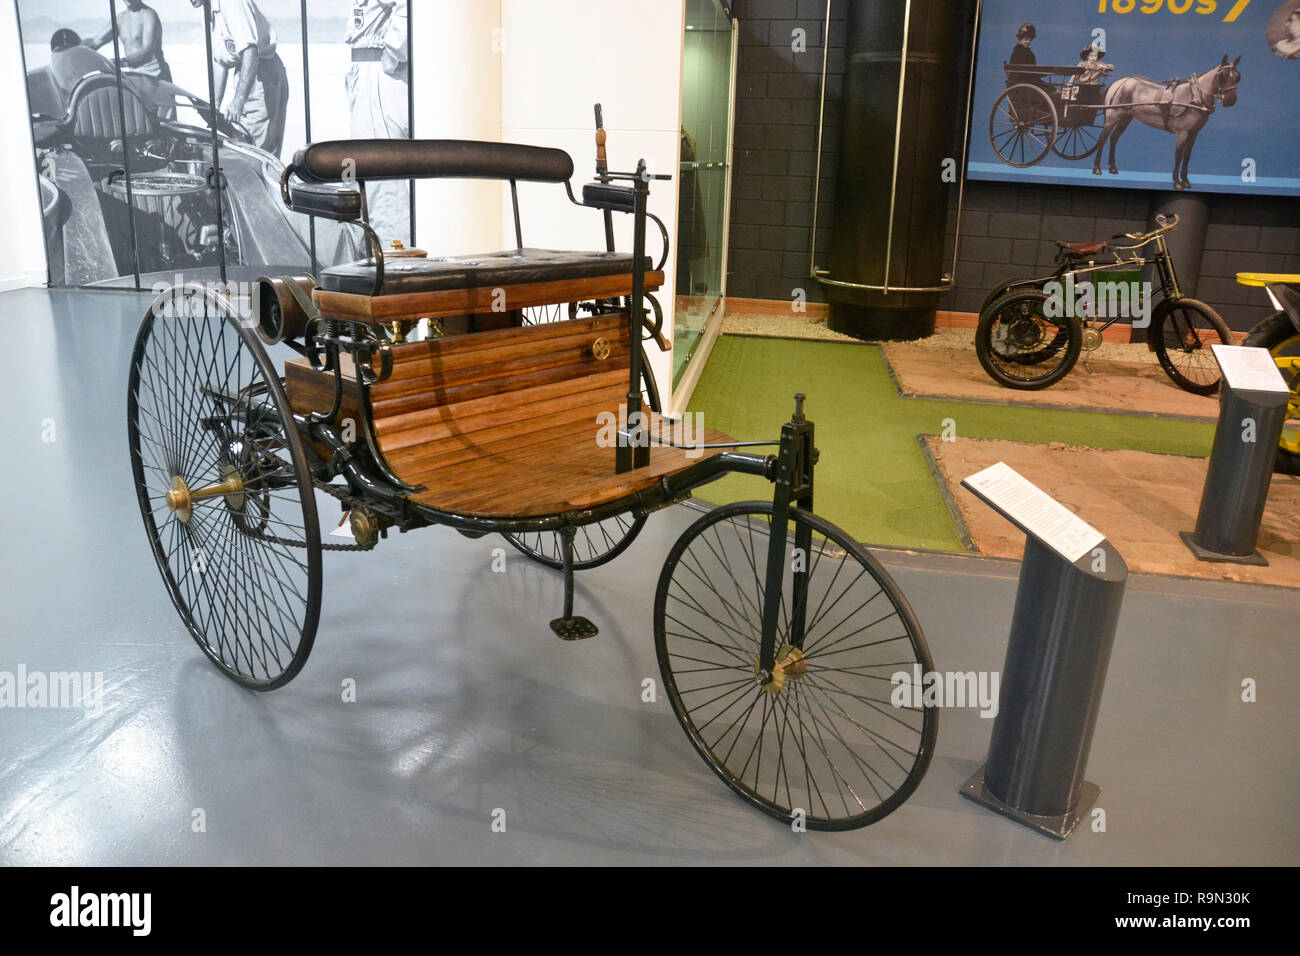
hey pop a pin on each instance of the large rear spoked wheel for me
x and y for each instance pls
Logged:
(821, 741)
(224, 488)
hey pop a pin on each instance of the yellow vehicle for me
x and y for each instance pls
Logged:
(1280, 334)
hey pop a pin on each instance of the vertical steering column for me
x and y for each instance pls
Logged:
(794, 483)
(633, 449)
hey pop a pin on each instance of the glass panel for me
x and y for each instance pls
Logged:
(260, 91)
(360, 89)
(126, 167)
(706, 134)
(158, 49)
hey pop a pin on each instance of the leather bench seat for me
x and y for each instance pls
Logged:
(512, 267)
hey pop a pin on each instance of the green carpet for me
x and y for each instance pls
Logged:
(873, 480)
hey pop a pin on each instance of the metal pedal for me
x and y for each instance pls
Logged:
(575, 628)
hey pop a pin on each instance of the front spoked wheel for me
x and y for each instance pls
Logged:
(822, 740)
(1182, 332)
(224, 488)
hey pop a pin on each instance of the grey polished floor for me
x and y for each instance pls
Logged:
(467, 704)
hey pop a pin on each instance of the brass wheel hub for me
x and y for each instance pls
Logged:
(1091, 340)
(791, 664)
(180, 499)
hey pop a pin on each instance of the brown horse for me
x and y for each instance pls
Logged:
(1182, 109)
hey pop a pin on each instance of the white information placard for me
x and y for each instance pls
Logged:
(1035, 510)
(1249, 369)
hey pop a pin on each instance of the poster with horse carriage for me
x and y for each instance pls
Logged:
(1160, 94)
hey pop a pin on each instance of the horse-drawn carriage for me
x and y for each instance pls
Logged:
(776, 634)
(1046, 109)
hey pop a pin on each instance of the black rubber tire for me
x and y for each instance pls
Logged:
(722, 534)
(232, 581)
(1031, 300)
(602, 541)
(1279, 335)
(1160, 340)
(1002, 288)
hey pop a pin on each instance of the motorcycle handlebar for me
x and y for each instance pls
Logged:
(1164, 226)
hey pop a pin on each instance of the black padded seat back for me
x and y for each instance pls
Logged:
(512, 267)
(367, 159)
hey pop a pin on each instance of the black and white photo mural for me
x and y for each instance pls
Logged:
(360, 89)
(128, 141)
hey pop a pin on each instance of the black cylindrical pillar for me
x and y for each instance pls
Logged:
(866, 188)
(1241, 469)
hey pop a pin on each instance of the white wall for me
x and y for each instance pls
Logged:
(561, 57)
(22, 240)
(457, 78)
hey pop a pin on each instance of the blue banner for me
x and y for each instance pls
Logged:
(1160, 94)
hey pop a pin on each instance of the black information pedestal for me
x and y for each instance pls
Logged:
(1062, 631)
(1252, 413)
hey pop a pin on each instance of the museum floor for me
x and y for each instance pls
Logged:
(466, 703)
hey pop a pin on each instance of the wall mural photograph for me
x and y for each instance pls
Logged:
(1170, 94)
(127, 141)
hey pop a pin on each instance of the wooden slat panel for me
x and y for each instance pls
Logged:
(446, 458)
(520, 403)
(474, 341)
(465, 447)
(414, 398)
(569, 339)
(595, 399)
(502, 486)
(432, 305)
(504, 423)
(311, 391)
(545, 474)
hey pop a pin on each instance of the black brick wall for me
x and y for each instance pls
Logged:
(1007, 229)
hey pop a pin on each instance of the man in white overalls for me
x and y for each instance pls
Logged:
(243, 41)
(379, 100)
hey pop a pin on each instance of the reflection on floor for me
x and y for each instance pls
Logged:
(466, 703)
